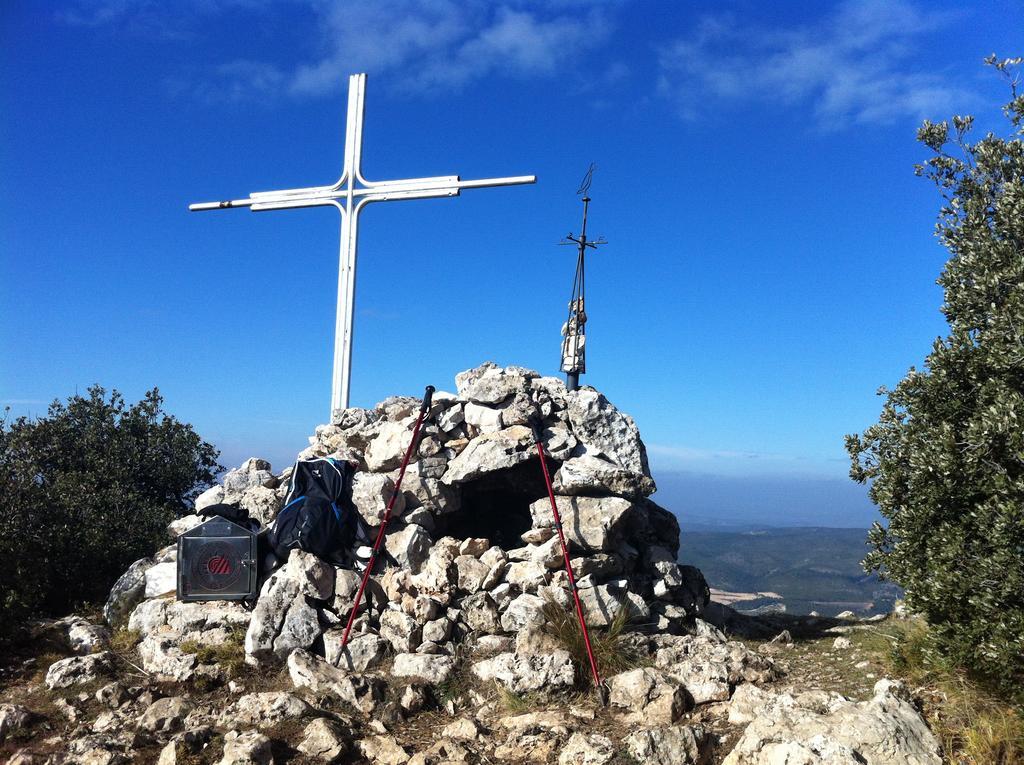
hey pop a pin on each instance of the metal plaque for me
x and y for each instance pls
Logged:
(217, 561)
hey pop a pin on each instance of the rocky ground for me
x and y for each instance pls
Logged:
(467, 650)
(814, 695)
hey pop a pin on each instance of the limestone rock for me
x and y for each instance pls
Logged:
(13, 717)
(606, 430)
(524, 611)
(79, 669)
(212, 496)
(483, 418)
(167, 624)
(248, 748)
(84, 637)
(388, 447)
(884, 730)
(429, 669)
(315, 577)
(252, 473)
(323, 740)
(127, 592)
(400, 630)
(437, 630)
(97, 749)
(262, 502)
(704, 682)
(283, 618)
(591, 523)
(489, 383)
(428, 492)
(603, 602)
(747, 702)
(384, 750)
(264, 709)
(475, 547)
(491, 452)
(409, 546)
(480, 613)
(587, 749)
(314, 673)
(588, 474)
(371, 493)
(649, 695)
(165, 715)
(676, 745)
(161, 579)
(470, 573)
(522, 674)
(179, 526)
(362, 652)
(528, 575)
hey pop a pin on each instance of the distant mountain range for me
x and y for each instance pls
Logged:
(812, 569)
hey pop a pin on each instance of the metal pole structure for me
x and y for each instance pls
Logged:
(387, 515)
(350, 195)
(574, 345)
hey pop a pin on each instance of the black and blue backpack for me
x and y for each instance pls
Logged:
(318, 515)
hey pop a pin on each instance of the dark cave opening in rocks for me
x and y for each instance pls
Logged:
(496, 506)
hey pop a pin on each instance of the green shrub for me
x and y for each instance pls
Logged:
(946, 460)
(85, 491)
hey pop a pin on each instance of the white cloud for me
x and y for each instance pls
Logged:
(435, 44)
(859, 64)
(422, 44)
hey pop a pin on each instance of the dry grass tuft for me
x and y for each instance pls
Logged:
(611, 655)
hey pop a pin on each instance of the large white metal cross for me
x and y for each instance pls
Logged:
(350, 195)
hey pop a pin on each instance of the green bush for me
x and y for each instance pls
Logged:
(85, 491)
(946, 459)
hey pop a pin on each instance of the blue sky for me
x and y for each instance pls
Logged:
(770, 262)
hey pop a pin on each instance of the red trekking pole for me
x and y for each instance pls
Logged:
(428, 394)
(539, 440)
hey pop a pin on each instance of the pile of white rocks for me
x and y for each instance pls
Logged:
(477, 470)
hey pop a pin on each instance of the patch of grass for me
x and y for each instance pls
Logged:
(455, 687)
(207, 755)
(611, 654)
(43, 663)
(974, 726)
(229, 654)
(124, 640)
(517, 703)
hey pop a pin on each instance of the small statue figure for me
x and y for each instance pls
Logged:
(574, 362)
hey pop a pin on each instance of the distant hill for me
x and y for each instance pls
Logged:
(813, 569)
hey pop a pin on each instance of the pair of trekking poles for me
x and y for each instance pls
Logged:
(538, 438)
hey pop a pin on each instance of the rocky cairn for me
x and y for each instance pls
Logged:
(458, 613)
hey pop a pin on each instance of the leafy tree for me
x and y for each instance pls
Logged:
(946, 458)
(85, 491)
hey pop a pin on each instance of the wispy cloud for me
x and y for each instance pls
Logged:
(859, 64)
(423, 45)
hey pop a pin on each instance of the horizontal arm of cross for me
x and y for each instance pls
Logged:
(416, 188)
